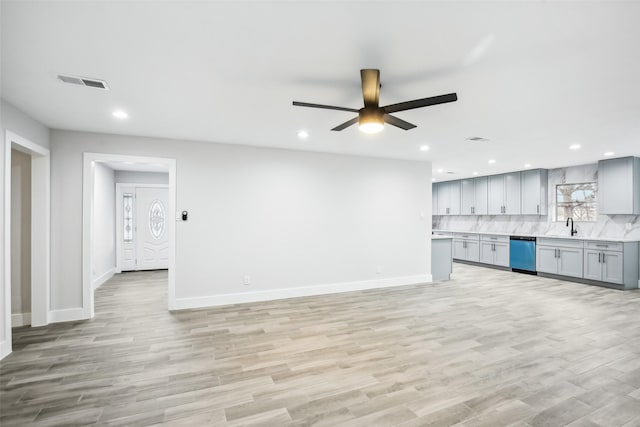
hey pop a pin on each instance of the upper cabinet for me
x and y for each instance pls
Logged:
(534, 184)
(434, 199)
(474, 196)
(619, 186)
(504, 194)
(449, 198)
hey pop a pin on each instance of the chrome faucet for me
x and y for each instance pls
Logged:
(573, 231)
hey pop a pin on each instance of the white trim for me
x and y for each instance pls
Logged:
(333, 288)
(67, 315)
(40, 234)
(20, 319)
(118, 204)
(88, 178)
(100, 280)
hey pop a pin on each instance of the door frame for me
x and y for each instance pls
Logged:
(40, 234)
(88, 184)
(119, 186)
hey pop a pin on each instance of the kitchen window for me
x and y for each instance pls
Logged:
(577, 201)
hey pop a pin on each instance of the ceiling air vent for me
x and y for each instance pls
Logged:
(83, 81)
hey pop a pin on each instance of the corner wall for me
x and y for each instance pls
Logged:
(295, 222)
(103, 246)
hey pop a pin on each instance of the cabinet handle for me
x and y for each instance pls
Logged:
(447, 210)
(538, 208)
(602, 246)
(494, 247)
(603, 257)
(473, 209)
(599, 256)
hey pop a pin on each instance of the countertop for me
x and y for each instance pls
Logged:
(548, 236)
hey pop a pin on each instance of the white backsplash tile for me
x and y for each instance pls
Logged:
(606, 226)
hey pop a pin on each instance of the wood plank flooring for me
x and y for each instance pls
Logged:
(488, 348)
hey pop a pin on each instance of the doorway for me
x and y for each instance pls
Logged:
(162, 216)
(34, 247)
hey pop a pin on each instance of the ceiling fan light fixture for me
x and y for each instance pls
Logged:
(370, 121)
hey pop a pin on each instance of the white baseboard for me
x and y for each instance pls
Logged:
(67, 315)
(5, 348)
(20, 319)
(333, 288)
(98, 281)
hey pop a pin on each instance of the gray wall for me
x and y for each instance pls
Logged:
(104, 224)
(290, 219)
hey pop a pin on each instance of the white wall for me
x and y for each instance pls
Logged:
(289, 219)
(20, 123)
(103, 249)
(20, 237)
(131, 177)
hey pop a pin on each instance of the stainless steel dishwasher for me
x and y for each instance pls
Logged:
(522, 254)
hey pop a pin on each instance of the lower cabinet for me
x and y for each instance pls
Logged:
(494, 250)
(603, 262)
(559, 256)
(466, 247)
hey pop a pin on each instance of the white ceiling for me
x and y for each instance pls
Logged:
(532, 77)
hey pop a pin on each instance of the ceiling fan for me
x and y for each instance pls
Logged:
(372, 117)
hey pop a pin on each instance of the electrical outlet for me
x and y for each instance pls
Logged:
(378, 269)
(246, 280)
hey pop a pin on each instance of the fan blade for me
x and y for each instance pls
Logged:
(346, 124)
(328, 107)
(388, 118)
(419, 103)
(370, 87)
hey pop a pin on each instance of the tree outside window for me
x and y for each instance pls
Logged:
(577, 201)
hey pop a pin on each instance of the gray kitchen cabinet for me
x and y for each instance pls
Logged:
(603, 261)
(560, 256)
(504, 194)
(619, 186)
(434, 199)
(473, 196)
(534, 184)
(449, 198)
(494, 250)
(466, 247)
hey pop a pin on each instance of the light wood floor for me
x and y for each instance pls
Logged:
(489, 348)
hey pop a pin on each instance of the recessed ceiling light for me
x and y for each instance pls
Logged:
(475, 173)
(303, 134)
(424, 148)
(119, 114)
(440, 170)
(575, 147)
(527, 165)
(433, 179)
(491, 161)
(609, 153)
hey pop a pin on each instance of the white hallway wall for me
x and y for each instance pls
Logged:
(103, 246)
(288, 219)
(21, 124)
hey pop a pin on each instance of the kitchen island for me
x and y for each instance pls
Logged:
(441, 259)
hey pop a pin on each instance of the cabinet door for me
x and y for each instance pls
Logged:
(495, 200)
(612, 268)
(459, 250)
(501, 254)
(480, 207)
(444, 196)
(592, 264)
(546, 260)
(468, 191)
(512, 193)
(473, 251)
(486, 253)
(570, 262)
(615, 186)
(454, 198)
(531, 192)
(434, 199)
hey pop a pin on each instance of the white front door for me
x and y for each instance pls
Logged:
(152, 245)
(142, 221)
